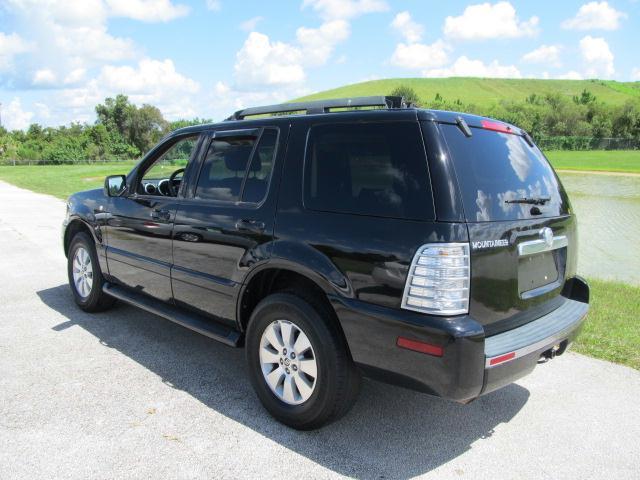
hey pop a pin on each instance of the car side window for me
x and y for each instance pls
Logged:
(368, 169)
(236, 168)
(155, 180)
(255, 187)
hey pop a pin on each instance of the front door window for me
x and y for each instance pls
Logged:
(164, 175)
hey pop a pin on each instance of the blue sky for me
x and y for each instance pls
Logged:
(206, 58)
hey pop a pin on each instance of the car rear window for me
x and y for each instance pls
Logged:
(495, 168)
(368, 169)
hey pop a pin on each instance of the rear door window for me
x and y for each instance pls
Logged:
(236, 169)
(368, 169)
(255, 187)
(495, 170)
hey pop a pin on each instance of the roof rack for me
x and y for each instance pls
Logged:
(322, 106)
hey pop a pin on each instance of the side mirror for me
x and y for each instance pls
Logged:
(115, 185)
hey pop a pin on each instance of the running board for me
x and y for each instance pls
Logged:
(189, 320)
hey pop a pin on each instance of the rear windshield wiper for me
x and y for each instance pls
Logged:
(530, 201)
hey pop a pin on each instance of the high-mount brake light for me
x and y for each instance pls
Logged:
(438, 280)
(496, 126)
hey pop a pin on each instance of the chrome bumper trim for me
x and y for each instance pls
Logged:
(553, 327)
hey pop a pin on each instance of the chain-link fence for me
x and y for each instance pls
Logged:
(22, 161)
(587, 143)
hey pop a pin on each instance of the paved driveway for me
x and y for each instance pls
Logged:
(124, 394)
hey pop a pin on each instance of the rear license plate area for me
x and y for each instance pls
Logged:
(541, 272)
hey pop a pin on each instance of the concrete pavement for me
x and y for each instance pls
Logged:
(127, 394)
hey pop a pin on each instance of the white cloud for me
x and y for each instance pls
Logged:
(87, 45)
(345, 9)
(72, 13)
(597, 57)
(147, 10)
(150, 81)
(10, 46)
(548, 54)
(485, 21)
(635, 74)
(66, 36)
(465, 67)
(595, 15)
(14, 117)
(43, 111)
(214, 5)
(75, 76)
(263, 62)
(250, 24)
(221, 88)
(44, 77)
(416, 56)
(317, 44)
(570, 75)
(150, 78)
(410, 30)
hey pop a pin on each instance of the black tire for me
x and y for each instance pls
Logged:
(337, 381)
(96, 300)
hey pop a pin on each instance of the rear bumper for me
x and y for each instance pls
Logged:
(471, 364)
(514, 353)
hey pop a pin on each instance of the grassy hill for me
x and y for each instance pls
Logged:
(484, 92)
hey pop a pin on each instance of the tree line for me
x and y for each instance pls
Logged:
(554, 120)
(124, 131)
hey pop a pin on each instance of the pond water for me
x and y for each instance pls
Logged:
(608, 210)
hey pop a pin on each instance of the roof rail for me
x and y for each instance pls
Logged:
(322, 106)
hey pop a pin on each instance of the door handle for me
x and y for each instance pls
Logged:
(159, 214)
(254, 226)
(102, 215)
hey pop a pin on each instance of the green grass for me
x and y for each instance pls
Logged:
(627, 161)
(484, 92)
(62, 180)
(612, 330)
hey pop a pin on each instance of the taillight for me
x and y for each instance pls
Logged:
(438, 280)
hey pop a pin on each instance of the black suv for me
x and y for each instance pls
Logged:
(430, 249)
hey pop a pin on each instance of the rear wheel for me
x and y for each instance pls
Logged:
(298, 362)
(85, 276)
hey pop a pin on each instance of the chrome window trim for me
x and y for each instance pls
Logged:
(532, 247)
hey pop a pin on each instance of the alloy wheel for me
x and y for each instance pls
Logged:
(288, 362)
(82, 272)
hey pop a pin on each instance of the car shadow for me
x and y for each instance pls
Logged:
(390, 433)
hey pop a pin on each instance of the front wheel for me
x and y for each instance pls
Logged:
(85, 276)
(298, 362)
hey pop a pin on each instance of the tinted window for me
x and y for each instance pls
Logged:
(493, 169)
(224, 169)
(368, 169)
(229, 161)
(255, 187)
